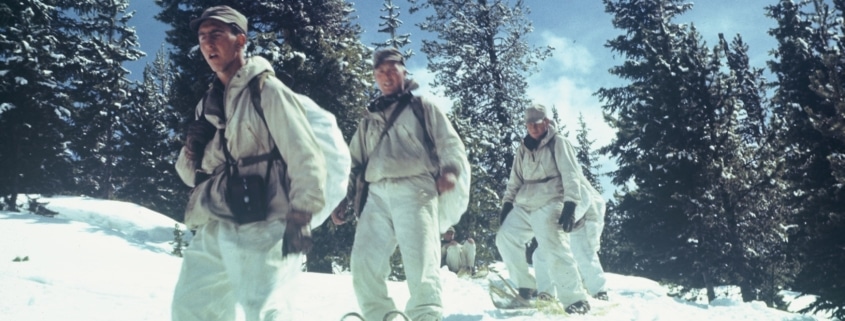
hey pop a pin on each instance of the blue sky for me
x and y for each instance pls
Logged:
(576, 29)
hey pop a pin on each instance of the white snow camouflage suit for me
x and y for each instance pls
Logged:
(541, 181)
(402, 207)
(229, 264)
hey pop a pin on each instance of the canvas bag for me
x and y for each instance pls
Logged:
(453, 204)
(330, 140)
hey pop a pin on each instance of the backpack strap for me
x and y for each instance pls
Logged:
(255, 85)
(428, 141)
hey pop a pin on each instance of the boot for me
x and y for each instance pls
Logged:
(527, 293)
(580, 307)
(602, 296)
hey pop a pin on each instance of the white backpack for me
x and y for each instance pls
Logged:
(331, 142)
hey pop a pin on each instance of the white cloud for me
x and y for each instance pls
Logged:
(567, 56)
(423, 77)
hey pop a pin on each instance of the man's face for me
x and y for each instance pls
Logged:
(220, 47)
(449, 235)
(390, 77)
(536, 130)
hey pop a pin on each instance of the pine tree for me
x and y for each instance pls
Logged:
(649, 120)
(745, 178)
(100, 90)
(809, 56)
(587, 157)
(150, 149)
(692, 139)
(33, 108)
(481, 58)
(390, 25)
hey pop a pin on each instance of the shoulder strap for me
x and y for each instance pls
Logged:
(255, 85)
(428, 141)
(552, 146)
(403, 102)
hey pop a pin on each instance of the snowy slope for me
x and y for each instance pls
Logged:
(106, 260)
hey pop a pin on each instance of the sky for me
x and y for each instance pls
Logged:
(100, 260)
(577, 30)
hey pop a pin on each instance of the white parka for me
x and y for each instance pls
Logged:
(297, 183)
(548, 173)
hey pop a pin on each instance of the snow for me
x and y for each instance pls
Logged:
(108, 260)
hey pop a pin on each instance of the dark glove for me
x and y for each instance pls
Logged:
(199, 133)
(567, 217)
(506, 208)
(297, 238)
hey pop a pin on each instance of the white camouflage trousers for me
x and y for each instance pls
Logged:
(398, 211)
(587, 259)
(228, 265)
(460, 256)
(553, 249)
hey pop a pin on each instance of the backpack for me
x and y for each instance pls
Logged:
(453, 204)
(331, 142)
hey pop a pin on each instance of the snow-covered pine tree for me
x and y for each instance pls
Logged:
(34, 109)
(688, 138)
(390, 25)
(150, 145)
(651, 139)
(745, 190)
(480, 59)
(587, 156)
(808, 65)
(100, 90)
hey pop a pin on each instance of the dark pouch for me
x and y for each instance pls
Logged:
(362, 189)
(247, 198)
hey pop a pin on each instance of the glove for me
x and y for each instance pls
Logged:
(297, 238)
(506, 208)
(199, 133)
(567, 217)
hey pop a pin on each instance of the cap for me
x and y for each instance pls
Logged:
(388, 54)
(535, 114)
(223, 14)
(450, 229)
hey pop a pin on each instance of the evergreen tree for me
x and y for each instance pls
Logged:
(151, 147)
(100, 91)
(692, 139)
(808, 66)
(746, 190)
(33, 107)
(481, 59)
(315, 50)
(587, 157)
(649, 122)
(390, 25)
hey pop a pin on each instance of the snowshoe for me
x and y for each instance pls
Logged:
(352, 315)
(391, 316)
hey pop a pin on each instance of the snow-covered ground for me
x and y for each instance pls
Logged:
(105, 261)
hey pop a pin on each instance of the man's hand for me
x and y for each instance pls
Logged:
(339, 216)
(297, 238)
(446, 182)
(506, 208)
(567, 217)
(199, 133)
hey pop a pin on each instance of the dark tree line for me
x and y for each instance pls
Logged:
(723, 185)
